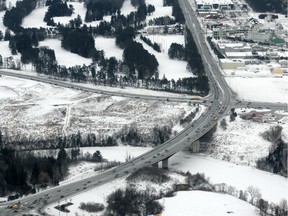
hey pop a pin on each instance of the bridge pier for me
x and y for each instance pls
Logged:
(155, 165)
(165, 163)
(193, 147)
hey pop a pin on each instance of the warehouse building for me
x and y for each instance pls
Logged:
(231, 63)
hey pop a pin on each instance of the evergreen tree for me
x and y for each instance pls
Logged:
(35, 174)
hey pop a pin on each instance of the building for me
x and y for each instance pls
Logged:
(211, 5)
(227, 32)
(231, 63)
(263, 36)
(278, 72)
(224, 47)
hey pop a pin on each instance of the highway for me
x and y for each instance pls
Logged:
(222, 97)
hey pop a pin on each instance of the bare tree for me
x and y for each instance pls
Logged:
(273, 134)
(254, 193)
(283, 207)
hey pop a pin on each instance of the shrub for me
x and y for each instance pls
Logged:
(91, 207)
(152, 174)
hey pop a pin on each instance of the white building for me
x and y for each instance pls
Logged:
(231, 63)
(214, 5)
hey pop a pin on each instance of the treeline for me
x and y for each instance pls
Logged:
(190, 54)
(21, 142)
(276, 160)
(140, 60)
(73, 41)
(164, 20)
(22, 173)
(13, 18)
(154, 45)
(133, 136)
(130, 201)
(96, 10)
(57, 8)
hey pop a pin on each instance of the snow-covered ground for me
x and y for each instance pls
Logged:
(64, 57)
(35, 18)
(159, 9)
(201, 203)
(165, 41)
(100, 194)
(273, 187)
(127, 8)
(170, 68)
(109, 47)
(260, 89)
(35, 107)
(241, 142)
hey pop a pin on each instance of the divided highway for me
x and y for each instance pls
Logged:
(222, 100)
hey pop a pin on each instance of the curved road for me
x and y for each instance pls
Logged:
(222, 98)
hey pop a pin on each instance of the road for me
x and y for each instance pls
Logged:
(222, 100)
(79, 86)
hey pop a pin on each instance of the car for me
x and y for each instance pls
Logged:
(62, 196)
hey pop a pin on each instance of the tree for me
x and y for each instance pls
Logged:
(35, 174)
(62, 155)
(263, 206)
(1, 36)
(1, 135)
(97, 156)
(73, 41)
(44, 179)
(176, 51)
(254, 194)
(150, 9)
(223, 124)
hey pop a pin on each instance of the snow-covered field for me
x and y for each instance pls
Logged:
(127, 8)
(159, 9)
(109, 47)
(61, 54)
(201, 203)
(35, 18)
(41, 110)
(273, 187)
(165, 41)
(170, 68)
(241, 142)
(260, 89)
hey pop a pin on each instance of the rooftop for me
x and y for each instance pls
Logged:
(210, 2)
